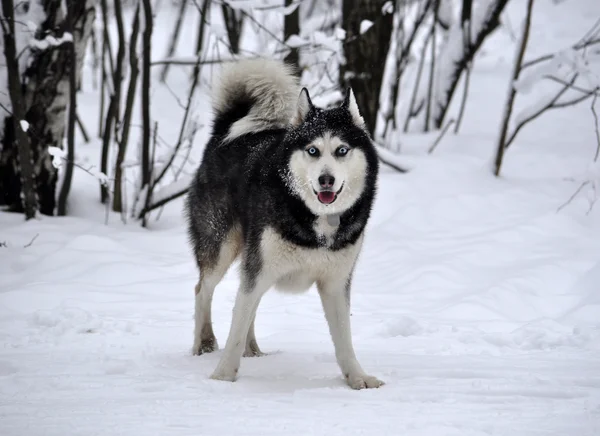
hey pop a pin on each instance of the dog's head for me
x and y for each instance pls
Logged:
(331, 158)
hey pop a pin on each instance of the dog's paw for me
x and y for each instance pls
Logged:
(252, 349)
(254, 353)
(205, 346)
(229, 376)
(363, 381)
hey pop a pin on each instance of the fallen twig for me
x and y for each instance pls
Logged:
(32, 241)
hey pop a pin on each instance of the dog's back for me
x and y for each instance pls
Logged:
(253, 102)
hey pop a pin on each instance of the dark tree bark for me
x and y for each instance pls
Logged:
(234, 22)
(465, 20)
(436, 7)
(291, 26)
(113, 113)
(365, 54)
(146, 55)
(501, 145)
(73, 85)
(27, 181)
(123, 140)
(45, 89)
(174, 38)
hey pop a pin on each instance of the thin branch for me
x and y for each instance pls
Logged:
(84, 133)
(552, 104)
(549, 56)
(573, 196)
(174, 39)
(572, 102)
(440, 136)
(381, 152)
(412, 110)
(596, 127)
(573, 86)
(163, 201)
(6, 109)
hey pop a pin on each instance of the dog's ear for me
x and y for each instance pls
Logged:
(350, 104)
(303, 108)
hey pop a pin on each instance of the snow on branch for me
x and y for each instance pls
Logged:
(50, 41)
(59, 157)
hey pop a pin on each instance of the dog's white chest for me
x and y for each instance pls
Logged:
(326, 227)
(283, 259)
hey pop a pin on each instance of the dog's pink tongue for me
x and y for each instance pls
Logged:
(326, 197)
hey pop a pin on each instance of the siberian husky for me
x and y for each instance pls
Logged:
(288, 188)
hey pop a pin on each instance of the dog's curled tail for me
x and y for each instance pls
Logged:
(254, 95)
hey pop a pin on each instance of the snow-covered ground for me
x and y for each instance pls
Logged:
(474, 299)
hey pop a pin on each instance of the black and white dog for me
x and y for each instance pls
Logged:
(289, 188)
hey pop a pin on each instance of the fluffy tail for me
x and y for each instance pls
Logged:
(254, 95)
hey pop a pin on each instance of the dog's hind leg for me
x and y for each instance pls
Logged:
(211, 274)
(252, 348)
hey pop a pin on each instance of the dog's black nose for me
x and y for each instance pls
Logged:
(326, 181)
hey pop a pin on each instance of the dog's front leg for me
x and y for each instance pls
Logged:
(335, 296)
(244, 311)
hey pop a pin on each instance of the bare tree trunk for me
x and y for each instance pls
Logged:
(113, 113)
(291, 26)
(234, 22)
(412, 110)
(465, 20)
(365, 54)
(501, 144)
(146, 127)
(204, 16)
(174, 38)
(27, 188)
(430, 90)
(69, 164)
(45, 89)
(124, 138)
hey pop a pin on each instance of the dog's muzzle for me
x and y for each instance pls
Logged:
(327, 197)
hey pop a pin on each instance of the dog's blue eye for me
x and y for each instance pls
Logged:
(313, 151)
(342, 151)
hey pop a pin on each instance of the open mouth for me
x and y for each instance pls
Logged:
(328, 197)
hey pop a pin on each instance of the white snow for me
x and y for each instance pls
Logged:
(50, 41)
(474, 299)
(365, 25)
(58, 155)
(387, 8)
(295, 41)
(340, 33)
(24, 125)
